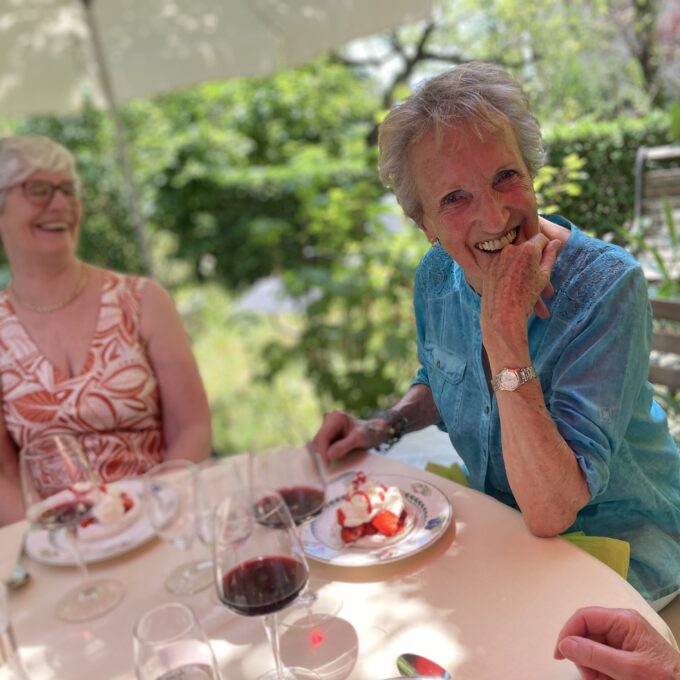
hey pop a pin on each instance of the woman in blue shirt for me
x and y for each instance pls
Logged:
(533, 338)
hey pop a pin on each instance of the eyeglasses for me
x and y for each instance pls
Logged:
(40, 192)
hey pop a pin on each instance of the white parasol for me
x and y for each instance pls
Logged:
(56, 53)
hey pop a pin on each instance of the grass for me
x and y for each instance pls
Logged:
(247, 412)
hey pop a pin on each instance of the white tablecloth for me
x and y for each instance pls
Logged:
(486, 602)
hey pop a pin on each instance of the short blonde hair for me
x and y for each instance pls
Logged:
(22, 155)
(474, 92)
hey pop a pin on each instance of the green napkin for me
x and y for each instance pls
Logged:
(612, 551)
(454, 472)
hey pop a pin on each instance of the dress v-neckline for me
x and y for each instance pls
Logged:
(59, 375)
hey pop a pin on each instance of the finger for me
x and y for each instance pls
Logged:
(583, 622)
(541, 310)
(334, 427)
(354, 441)
(597, 622)
(597, 657)
(539, 241)
(548, 291)
(549, 255)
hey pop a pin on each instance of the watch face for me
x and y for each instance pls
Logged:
(509, 380)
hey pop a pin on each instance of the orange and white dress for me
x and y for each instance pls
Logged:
(112, 407)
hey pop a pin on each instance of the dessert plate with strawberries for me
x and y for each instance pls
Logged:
(118, 531)
(375, 518)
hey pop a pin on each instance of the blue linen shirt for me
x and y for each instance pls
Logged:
(592, 358)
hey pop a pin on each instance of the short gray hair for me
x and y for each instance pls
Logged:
(22, 155)
(474, 92)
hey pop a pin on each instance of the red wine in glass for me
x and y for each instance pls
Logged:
(262, 586)
(303, 501)
(297, 474)
(260, 564)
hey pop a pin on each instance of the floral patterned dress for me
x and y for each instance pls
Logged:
(112, 406)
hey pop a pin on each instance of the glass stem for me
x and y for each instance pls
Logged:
(272, 628)
(72, 533)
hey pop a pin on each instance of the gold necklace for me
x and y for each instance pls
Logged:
(46, 309)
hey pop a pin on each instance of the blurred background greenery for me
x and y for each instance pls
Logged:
(276, 177)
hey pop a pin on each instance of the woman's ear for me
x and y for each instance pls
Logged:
(431, 236)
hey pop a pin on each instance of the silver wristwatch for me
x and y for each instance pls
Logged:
(509, 379)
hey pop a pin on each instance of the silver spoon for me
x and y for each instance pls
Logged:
(416, 666)
(19, 576)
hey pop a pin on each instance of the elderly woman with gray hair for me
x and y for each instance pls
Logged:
(533, 338)
(84, 351)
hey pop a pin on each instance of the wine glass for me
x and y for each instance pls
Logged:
(260, 565)
(170, 502)
(169, 644)
(59, 490)
(215, 478)
(297, 474)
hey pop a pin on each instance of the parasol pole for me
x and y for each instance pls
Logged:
(130, 190)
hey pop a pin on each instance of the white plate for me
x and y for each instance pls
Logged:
(428, 514)
(40, 548)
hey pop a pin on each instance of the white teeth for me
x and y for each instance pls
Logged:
(56, 226)
(499, 243)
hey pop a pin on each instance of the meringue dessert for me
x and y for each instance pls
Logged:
(370, 508)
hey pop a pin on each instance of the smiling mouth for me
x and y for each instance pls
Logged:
(499, 243)
(53, 226)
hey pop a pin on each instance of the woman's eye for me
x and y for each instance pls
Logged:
(453, 197)
(505, 174)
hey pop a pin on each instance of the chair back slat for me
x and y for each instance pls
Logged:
(665, 369)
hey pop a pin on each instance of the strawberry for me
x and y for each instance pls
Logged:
(386, 522)
(351, 534)
(341, 517)
(127, 501)
(369, 529)
(86, 522)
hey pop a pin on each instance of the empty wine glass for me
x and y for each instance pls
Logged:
(297, 474)
(260, 565)
(59, 490)
(169, 644)
(216, 479)
(170, 502)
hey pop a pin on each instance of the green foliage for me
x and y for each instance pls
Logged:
(605, 202)
(228, 345)
(675, 120)
(551, 184)
(358, 340)
(252, 161)
(571, 56)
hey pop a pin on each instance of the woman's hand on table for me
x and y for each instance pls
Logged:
(341, 434)
(616, 644)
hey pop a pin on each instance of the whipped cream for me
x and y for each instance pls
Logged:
(110, 507)
(116, 510)
(365, 499)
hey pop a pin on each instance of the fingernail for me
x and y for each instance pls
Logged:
(567, 647)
